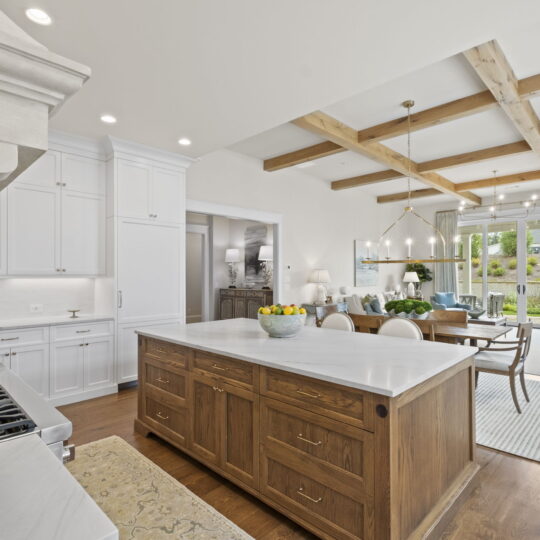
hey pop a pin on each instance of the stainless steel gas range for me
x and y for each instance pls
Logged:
(23, 412)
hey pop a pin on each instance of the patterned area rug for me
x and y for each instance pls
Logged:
(498, 424)
(142, 500)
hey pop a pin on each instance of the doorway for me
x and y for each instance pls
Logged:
(197, 273)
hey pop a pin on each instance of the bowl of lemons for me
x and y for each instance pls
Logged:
(282, 321)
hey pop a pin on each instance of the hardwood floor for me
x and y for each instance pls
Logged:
(504, 505)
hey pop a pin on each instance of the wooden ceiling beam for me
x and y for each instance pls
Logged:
(339, 133)
(493, 68)
(499, 181)
(474, 157)
(435, 164)
(529, 87)
(403, 196)
(303, 155)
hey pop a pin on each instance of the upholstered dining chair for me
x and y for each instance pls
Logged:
(398, 327)
(338, 321)
(508, 359)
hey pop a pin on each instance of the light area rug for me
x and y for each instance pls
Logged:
(498, 424)
(142, 500)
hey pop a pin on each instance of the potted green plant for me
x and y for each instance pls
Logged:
(409, 309)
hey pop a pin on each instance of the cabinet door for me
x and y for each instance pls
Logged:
(44, 172)
(67, 368)
(83, 233)
(98, 363)
(240, 437)
(226, 308)
(134, 188)
(168, 195)
(239, 307)
(5, 357)
(33, 230)
(31, 363)
(83, 175)
(3, 232)
(149, 271)
(252, 308)
(206, 418)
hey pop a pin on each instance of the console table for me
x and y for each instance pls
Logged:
(235, 303)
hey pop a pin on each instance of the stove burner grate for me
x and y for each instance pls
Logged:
(13, 419)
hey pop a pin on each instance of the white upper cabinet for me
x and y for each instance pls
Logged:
(153, 192)
(134, 189)
(56, 217)
(33, 230)
(83, 174)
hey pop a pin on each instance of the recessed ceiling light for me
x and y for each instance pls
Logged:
(38, 16)
(184, 141)
(108, 119)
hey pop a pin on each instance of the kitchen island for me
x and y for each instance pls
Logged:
(350, 435)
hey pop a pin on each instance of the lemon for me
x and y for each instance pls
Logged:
(266, 311)
(302, 311)
(288, 310)
(295, 310)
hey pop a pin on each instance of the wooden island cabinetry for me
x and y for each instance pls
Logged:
(340, 461)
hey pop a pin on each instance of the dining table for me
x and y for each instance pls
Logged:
(474, 332)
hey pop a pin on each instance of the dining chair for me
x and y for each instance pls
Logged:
(338, 321)
(398, 327)
(427, 327)
(508, 360)
(367, 324)
(453, 317)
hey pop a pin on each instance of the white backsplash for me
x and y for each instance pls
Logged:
(57, 295)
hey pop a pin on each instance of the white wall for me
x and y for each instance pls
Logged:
(57, 295)
(319, 225)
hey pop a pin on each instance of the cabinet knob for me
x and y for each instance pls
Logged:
(58, 269)
(13, 354)
(63, 269)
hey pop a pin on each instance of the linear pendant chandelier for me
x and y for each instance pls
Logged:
(409, 210)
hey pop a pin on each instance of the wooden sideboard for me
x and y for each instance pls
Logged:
(235, 303)
(343, 463)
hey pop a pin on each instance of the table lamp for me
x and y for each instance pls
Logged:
(266, 256)
(232, 257)
(320, 276)
(411, 278)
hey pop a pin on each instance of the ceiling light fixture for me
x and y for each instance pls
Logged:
(38, 16)
(108, 119)
(409, 210)
(184, 141)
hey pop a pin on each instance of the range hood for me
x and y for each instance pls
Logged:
(34, 83)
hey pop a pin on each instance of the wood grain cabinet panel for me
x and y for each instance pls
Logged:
(332, 400)
(169, 421)
(340, 516)
(173, 354)
(161, 376)
(236, 303)
(232, 371)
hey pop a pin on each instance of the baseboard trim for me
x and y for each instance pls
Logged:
(83, 396)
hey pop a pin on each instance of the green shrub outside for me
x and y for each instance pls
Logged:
(494, 263)
(533, 261)
(498, 272)
(475, 261)
(530, 269)
(512, 264)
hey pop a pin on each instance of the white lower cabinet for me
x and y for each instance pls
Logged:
(31, 363)
(127, 357)
(67, 368)
(98, 365)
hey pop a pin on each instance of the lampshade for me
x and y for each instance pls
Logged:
(232, 255)
(266, 253)
(319, 276)
(411, 277)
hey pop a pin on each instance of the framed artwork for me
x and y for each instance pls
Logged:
(254, 237)
(365, 275)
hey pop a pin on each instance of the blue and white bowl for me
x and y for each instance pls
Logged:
(282, 326)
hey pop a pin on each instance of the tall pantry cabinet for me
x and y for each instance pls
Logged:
(146, 244)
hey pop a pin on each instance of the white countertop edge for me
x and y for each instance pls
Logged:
(299, 371)
(54, 320)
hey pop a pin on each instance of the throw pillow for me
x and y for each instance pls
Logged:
(369, 309)
(451, 299)
(376, 307)
(441, 298)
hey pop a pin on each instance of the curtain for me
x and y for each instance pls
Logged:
(446, 273)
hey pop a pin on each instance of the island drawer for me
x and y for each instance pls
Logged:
(167, 352)
(170, 421)
(341, 452)
(335, 401)
(233, 371)
(340, 515)
(167, 378)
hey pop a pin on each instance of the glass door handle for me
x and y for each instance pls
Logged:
(518, 289)
(524, 288)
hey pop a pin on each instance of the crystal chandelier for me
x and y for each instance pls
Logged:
(409, 210)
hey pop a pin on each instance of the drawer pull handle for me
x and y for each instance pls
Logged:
(9, 338)
(159, 349)
(164, 381)
(301, 492)
(308, 394)
(217, 389)
(302, 438)
(159, 415)
(219, 368)
(82, 331)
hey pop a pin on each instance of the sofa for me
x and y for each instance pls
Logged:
(447, 301)
(371, 304)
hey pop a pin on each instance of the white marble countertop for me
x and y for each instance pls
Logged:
(40, 499)
(378, 364)
(52, 320)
